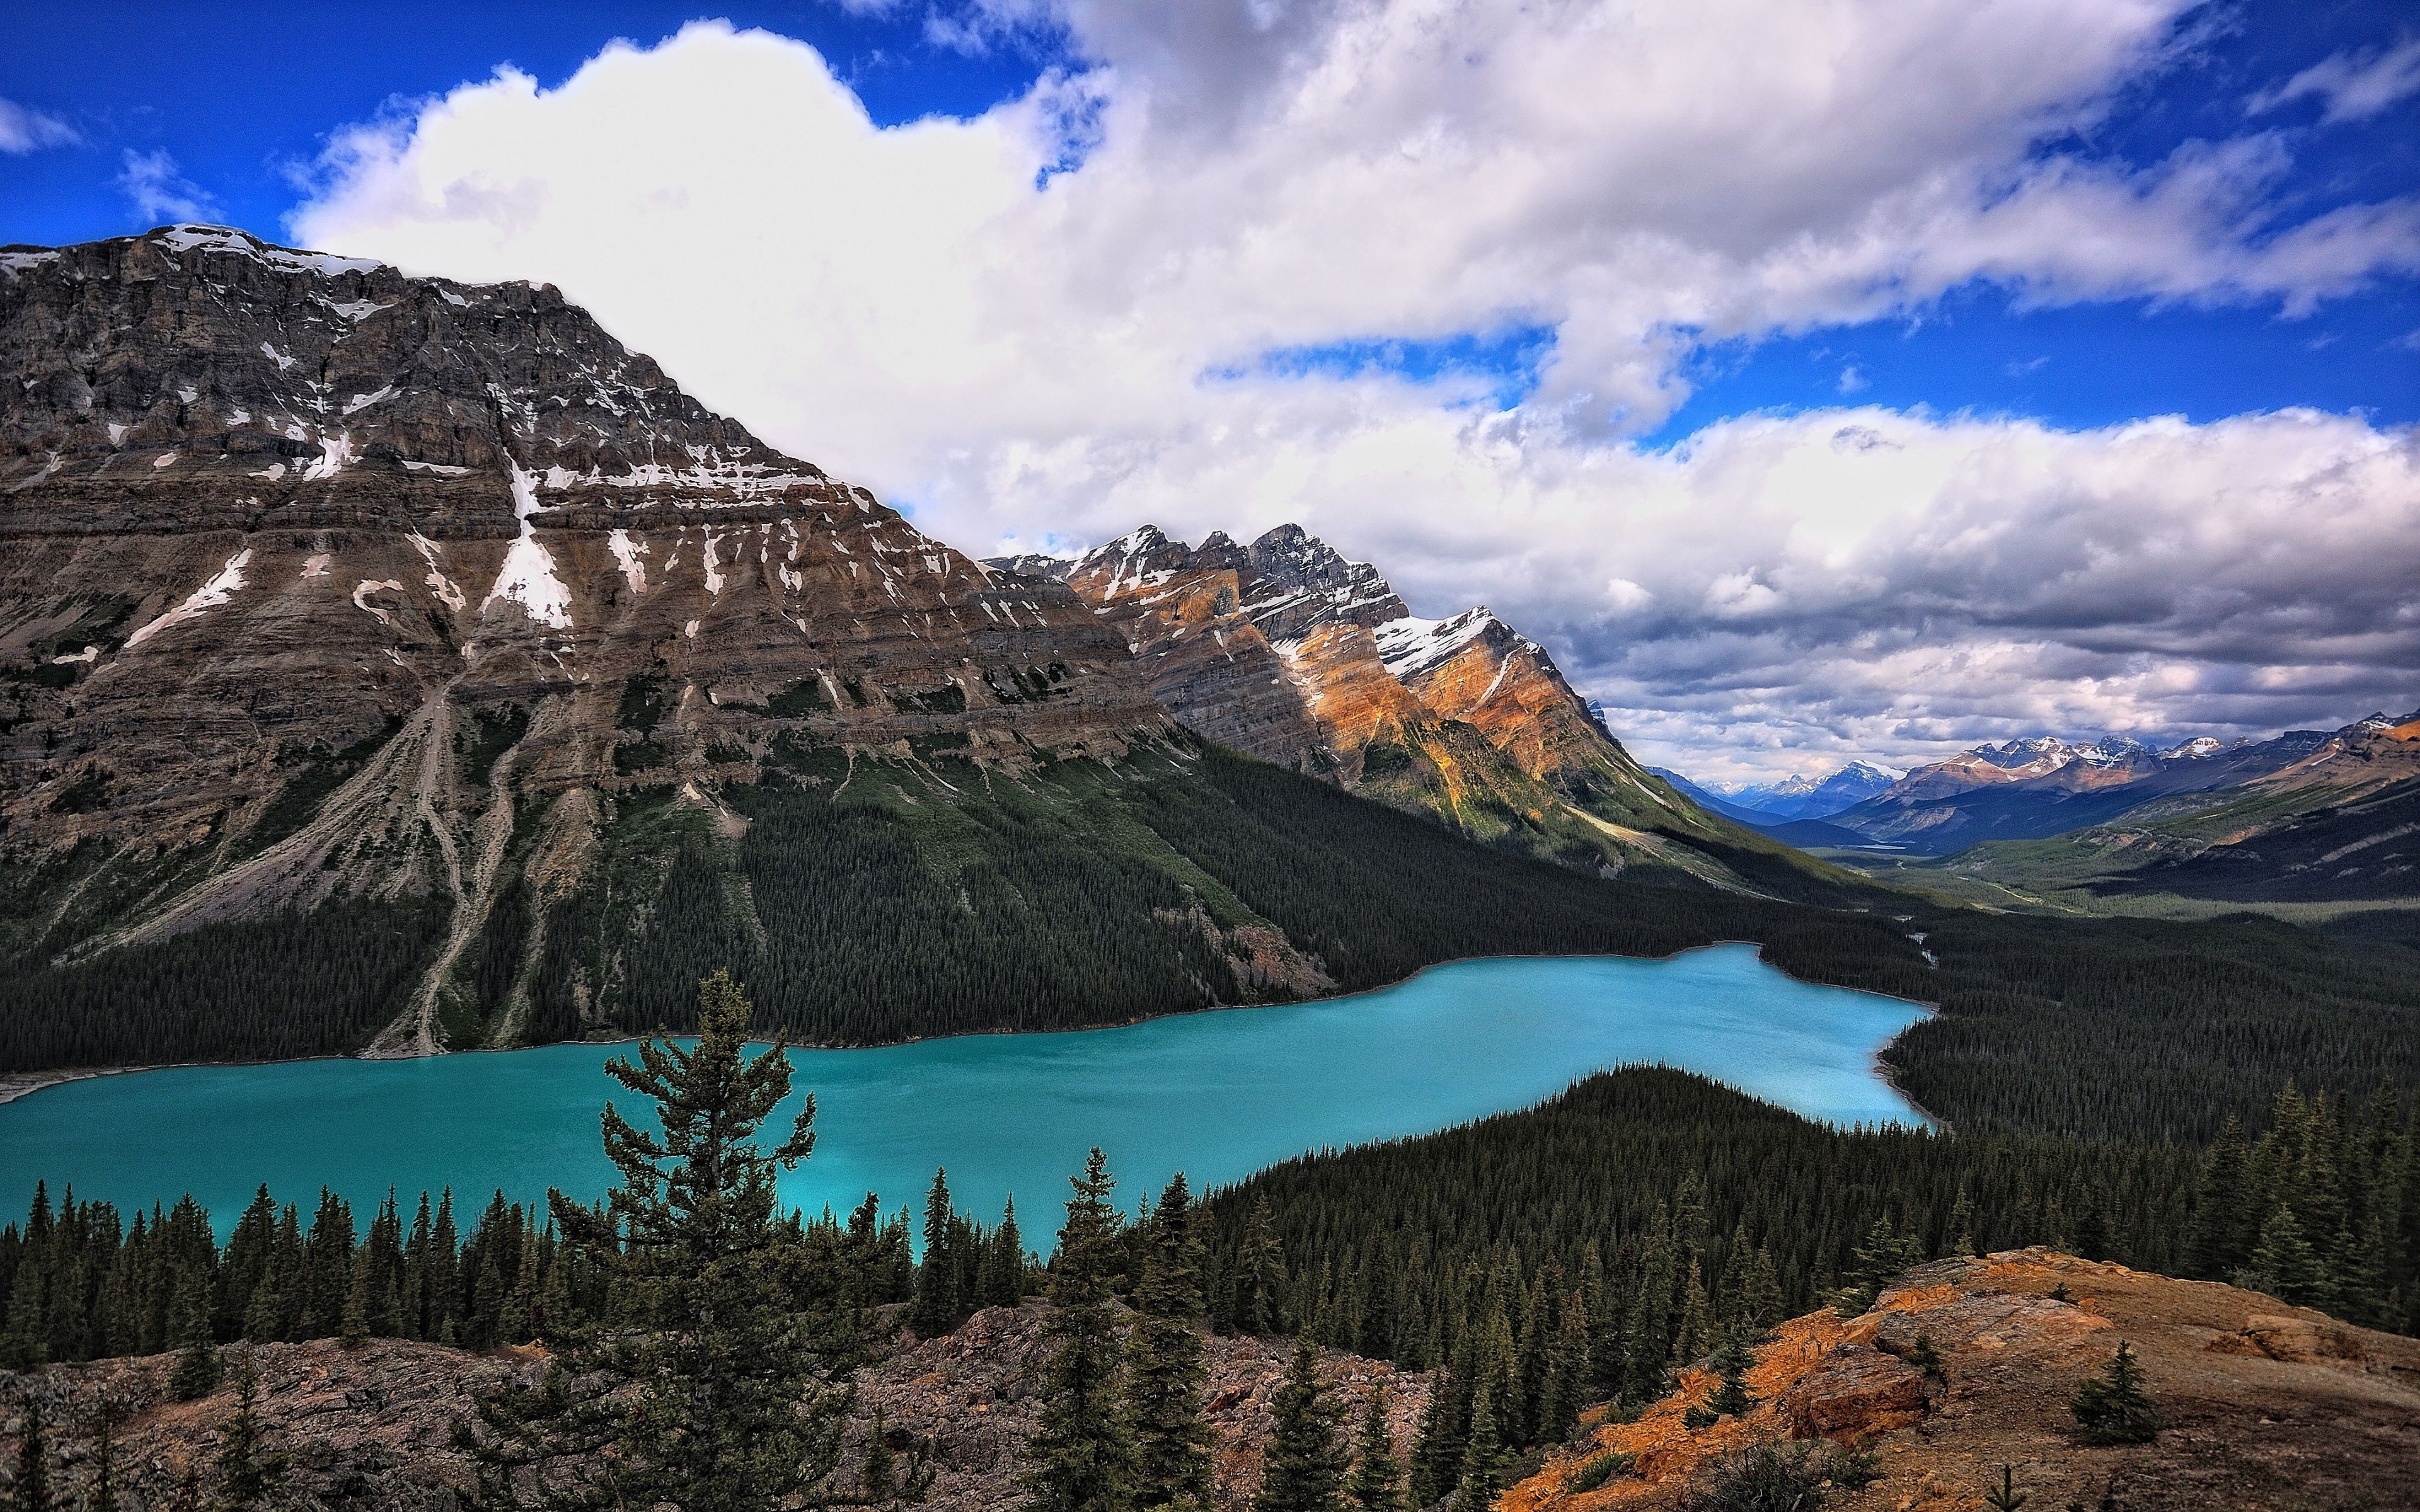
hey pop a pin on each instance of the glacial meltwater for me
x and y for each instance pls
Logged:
(1217, 1094)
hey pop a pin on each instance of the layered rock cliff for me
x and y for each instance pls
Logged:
(259, 500)
(324, 582)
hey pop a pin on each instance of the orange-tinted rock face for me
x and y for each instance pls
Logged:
(2265, 1402)
(1287, 651)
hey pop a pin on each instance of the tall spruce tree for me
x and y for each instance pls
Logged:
(936, 1310)
(740, 1338)
(1302, 1466)
(1436, 1451)
(1000, 1281)
(32, 1488)
(1164, 1370)
(100, 1485)
(1484, 1457)
(1376, 1482)
(1080, 1457)
(196, 1374)
(1258, 1305)
(247, 1472)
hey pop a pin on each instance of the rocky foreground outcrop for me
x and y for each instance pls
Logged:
(372, 1428)
(2266, 1405)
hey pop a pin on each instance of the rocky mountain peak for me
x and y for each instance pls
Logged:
(263, 505)
(1289, 651)
(252, 378)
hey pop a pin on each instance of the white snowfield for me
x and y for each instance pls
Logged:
(528, 576)
(220, 589)
(1411, 646)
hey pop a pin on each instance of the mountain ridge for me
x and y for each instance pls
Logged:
(1285, 649)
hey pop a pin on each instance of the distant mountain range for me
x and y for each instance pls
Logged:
(2032, 789)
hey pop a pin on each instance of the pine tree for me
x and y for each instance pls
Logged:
(1001, 1283)
(878, 1477)
(2213, 1246)
(1730, 1363)
(445, 1281)
(246, 1472)
(1164, 1373)
(1484, 1457)
(1696, 1333)
(1874, 1265)
(1260, 1275)
(33, 1483)
(936, 1311)
(1376, 1483)
(1559, 1399)
(1961, 1224)
(100, 1490)
(736, 1354)
(197, 1370)
(1436, 1453)
(2112, 1406)
(2285, 1265)
(1302, 1468)
(1762, 1304)
(1080, 1457)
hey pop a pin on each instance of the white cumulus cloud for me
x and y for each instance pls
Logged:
(160, 192)
(1048, 323)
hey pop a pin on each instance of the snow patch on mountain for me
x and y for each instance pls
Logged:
(1410, 645)
(220, 588)
(528, 576)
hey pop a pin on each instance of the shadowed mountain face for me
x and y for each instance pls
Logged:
(325, 584)
(1285, 650)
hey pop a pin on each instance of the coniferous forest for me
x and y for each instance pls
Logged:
(873, 904)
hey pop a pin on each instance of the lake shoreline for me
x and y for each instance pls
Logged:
(1216, 1095)
(18, 1085)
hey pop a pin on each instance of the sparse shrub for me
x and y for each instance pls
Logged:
(2004, 1496)
(1596, 1470)
(1924, 1354)
(2112, 1406)
(1766, 1477)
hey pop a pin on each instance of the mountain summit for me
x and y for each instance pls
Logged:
(1287, 650)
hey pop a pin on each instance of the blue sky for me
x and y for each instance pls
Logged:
(1517, 324)
(243, 97)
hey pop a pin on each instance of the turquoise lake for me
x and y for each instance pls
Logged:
(1216, 1095)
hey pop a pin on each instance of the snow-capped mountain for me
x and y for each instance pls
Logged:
(2046, 785)
(1798, 796)
(1287, 650)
